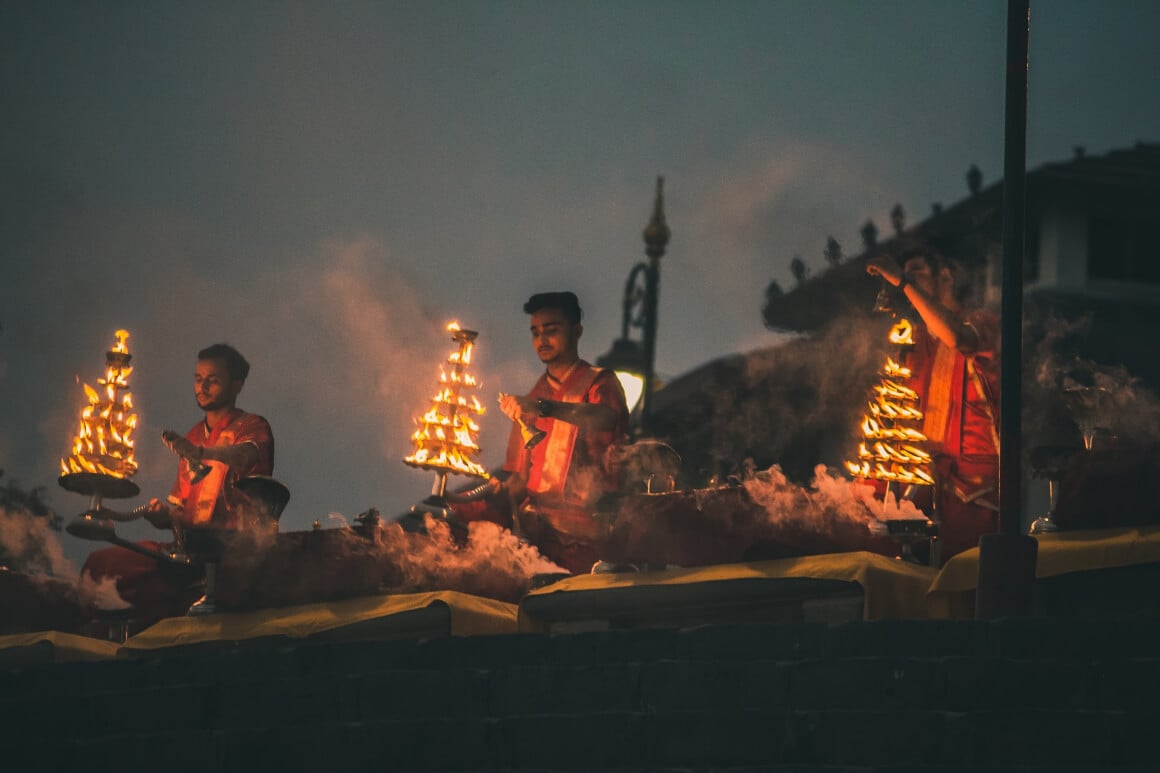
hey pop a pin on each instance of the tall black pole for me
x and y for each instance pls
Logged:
(1007, 559)
(1014, 198)
(656, 238)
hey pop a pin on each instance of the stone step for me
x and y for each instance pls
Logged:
(849, 684)
(1018, 639)
(693, 740)
(1004, 695)
(228, 699)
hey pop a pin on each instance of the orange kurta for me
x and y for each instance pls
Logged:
(213, 500)
(959, 398)
(570, 469)
(160, 590)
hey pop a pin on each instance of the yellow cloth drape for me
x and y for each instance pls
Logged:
(952, 594)
(55, 647)
(468, 615)
(892, 588)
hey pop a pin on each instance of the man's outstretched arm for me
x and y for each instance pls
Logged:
(591, 417)
(238, 455)
(943, 324)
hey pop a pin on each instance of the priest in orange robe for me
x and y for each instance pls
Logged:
(223, 447)
(562, 447)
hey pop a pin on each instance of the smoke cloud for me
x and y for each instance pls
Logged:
(39, 586)
(796, 405)
(491, 561)
(376, 557)
(99, 594)
(763, 514)
(30, 546)
(1068, 396)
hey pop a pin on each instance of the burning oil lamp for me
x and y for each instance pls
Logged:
(445, 440)
(101, 463)
(892, 445)
(891, 448)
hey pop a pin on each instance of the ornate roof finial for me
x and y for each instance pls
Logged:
(974, 180)
(656, 233)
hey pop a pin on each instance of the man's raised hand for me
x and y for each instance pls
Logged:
(179, 445)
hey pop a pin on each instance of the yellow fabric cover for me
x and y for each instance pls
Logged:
(65, 647)
(892, 588)
(953, 590)
(469, 615)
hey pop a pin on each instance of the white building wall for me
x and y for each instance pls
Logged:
(1063, 244)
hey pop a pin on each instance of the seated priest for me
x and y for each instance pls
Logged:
(560, 456)
(227, 444)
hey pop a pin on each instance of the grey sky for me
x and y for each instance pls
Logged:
(325, 185)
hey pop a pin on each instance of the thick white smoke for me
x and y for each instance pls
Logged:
(30, 546)
(99, 594)
(491, 561)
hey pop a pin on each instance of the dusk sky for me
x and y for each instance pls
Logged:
(326, 185)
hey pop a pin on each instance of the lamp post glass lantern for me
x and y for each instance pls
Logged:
(633, 360)
(626, 359)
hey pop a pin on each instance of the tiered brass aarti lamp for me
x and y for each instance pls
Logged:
(445, 440)
(101, 463)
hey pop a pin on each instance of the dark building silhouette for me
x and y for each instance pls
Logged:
(1088, 266)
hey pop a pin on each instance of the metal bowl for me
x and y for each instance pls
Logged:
(917, 528)
(266, 493)
(107, 486)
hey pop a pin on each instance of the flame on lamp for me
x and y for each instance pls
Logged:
(103, 443)
(445, 438)
(890, 449)
(902, 333)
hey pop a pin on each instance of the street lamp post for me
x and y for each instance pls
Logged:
(1008, 558)
(656, 238)
(634, 361)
